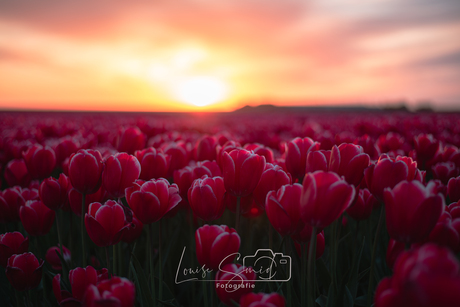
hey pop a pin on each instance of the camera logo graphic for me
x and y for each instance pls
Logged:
(269, 266)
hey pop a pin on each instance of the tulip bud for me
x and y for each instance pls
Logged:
(53, 193)
(216, 245)
(241, 171)
(16, 173)
(206, 198)
(105, 223)
(85, 171)
(36, 218)
(24, 271)
(116, 291)
(412, 211)
(325, 196)
(151, 200)
(154, 163)
(361, 209)
(205, 148)
(129, 140)
(453, 189)
(40, 161)
(272, 178)
(296, 155)
(120, 172)
(12, 243)
(53, 259)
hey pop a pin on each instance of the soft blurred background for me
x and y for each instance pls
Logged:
(204, 55)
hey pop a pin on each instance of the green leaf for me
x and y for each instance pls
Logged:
(321, 300)
(361, 301)
(323, 274)
(353, 281)
(331, 297)
(143, 283)
(347, 298)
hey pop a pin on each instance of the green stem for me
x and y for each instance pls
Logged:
(370, 288)
(237, 220)
(303, 269)
(287, 249)
(65, 275)
(205, 293)
(120, 257)
(82, 226)
(114, 259)
(160, 263)
(19, 302)
(152, 269)
(107, 259)
(311, 268)
(334, 255)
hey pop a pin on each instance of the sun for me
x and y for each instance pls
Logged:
(201, 90)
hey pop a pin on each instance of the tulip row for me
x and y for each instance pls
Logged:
(374, 216)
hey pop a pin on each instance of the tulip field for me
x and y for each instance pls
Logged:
(230, 209)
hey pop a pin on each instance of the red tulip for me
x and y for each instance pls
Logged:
(446, 232)
(226, 148)
(388, 172)
(296, 155)
(390, 142)
(12, 243)
(179, 153)
(369, 146)
(151, 200)
(205, 148)
(16, 173)
(283, 209)
(233, 281)
(319, 160)
(412, 211)
(304, 237)
(241, 171)
(272, 178)
(262, 300)
(53, 193)
(65, 148)
(120, 172)
(53, 259)
(427, 276)
(40, 161)
(116, 291)
(80, 279)
(24, 271)
(154, 163)
(349, 160)
(206, 198)
(75, 199)
(325, 196)
(444, 171)
(361, 209)
(246, 203)
(261, 150)
(426, 147)
(10, 202)
(453, 189)
(36, 218)
(85, 171)
(129, 140)
(216, 245)
(105, 223)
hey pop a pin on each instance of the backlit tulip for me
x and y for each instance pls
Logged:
(53, 192)
(75, 199)
(120, 172)
(296, 155)
(10, 202)
(36, 218)
(444, 171)
(16, 173)
(151, 200)
(133, 231)
(154, 163)
(241, 171)
(129, 140)
(412, 211)
(446, 232)
(233, 281)
(80, 279)
(325, 196)
(262, 300)
(283, 209)
(216, 245)
(427, 276)
(349, 160)
(52, 258)
(24, 271)
(426, 147)
(40, 161)
(105, 223)
(85, 171)
(117, 291)
(362, 207)
(394, 249)
(261, 150)
(453, 189)
(206, 198)
(179, 152)
(272, 178)
(65, 148)
(304, 237)
(205, 148)
(12, 243)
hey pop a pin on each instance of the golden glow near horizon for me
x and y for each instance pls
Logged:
(207, 55)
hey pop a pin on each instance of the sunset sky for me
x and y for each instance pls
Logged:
(218, 55)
